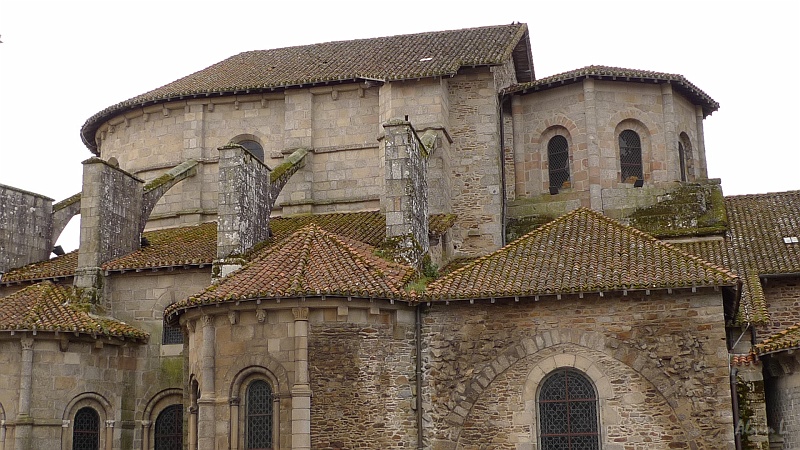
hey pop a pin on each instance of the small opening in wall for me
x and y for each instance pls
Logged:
(791, 240)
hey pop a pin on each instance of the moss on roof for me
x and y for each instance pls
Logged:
(582, 251)
(49, 307)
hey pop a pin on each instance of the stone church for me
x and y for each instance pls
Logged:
(395, 243)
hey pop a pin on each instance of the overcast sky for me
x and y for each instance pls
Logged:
(63, 61)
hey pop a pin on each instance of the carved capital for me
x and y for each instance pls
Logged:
(234, 401)
(146, 423)
(190, 325)
(110, 423)
(207, 320)
(27, 343)
(65, 423)
(300, 313)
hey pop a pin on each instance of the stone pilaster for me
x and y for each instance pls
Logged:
(301, 391)
(406, 201)
(702, 169)
(592, 147)
(660, 173)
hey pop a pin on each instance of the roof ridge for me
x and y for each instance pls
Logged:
(762, 195)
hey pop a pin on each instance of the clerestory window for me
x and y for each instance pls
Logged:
(630, 156)
(568, 417)
(558, 161)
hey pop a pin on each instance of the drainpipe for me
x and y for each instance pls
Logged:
(503, 209)
(418, 336)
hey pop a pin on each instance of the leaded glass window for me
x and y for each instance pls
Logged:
(86, 430)
(558, 161)
(169, 429)
(171, 334)
(259, 416)
(630, 155)
(568, 412)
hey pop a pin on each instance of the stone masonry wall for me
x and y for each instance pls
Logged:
(362, 379)
(662, 383)
(783, 303)
(25, 227)
(475, 156)
(783, 402)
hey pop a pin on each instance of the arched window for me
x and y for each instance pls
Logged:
(558, 161)
(568, 417)
(86, 430)
(169, 429)
(172, 334)
(254, 148)
(630, 155)
(259, 416)
(686, 158)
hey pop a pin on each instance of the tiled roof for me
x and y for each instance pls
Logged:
(385, 58)
(170, 247)
(310, 262)
(620, 74)
(758, 225)
(196, 245)
(744, 359)
(582, 251)
(58, 267)
(783, 340)
(49, 307)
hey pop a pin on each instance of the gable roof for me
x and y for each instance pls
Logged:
(758, 225)
(49, 307)
(582, 251)
(389, 58)
(679, 82)
(310, 262)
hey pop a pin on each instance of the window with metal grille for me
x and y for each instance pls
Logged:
(630, 155)
(259, 416)
(86, 430)
(568, 412)
(169, 429)
(558, 161)
(254, 148)
(171, 334)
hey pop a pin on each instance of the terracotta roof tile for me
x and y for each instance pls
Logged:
(618, 73)
(310, 262)
(58, 267)
(49, 307)
(744, 359)
(196, 245)
(758, 225)
(192, 245)
(582, 251)
(384, 58)
(783, 340)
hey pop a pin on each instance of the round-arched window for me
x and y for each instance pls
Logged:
(86, 430)
(568, 412)
(169, 429)
(254, 148)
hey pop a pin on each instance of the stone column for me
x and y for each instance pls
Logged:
(146, 434)
(662, 171)
(522, 154)
(109, 434)
(234, 428)
(22, 433)
(593, 150)
(206, 423)
(301, 391)
(192, 432)
(2, 434)
(702, 170)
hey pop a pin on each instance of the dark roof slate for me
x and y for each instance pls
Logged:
(582, 251)
(385, 58)
(310, 262)
(620, 74)
(49, 307)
